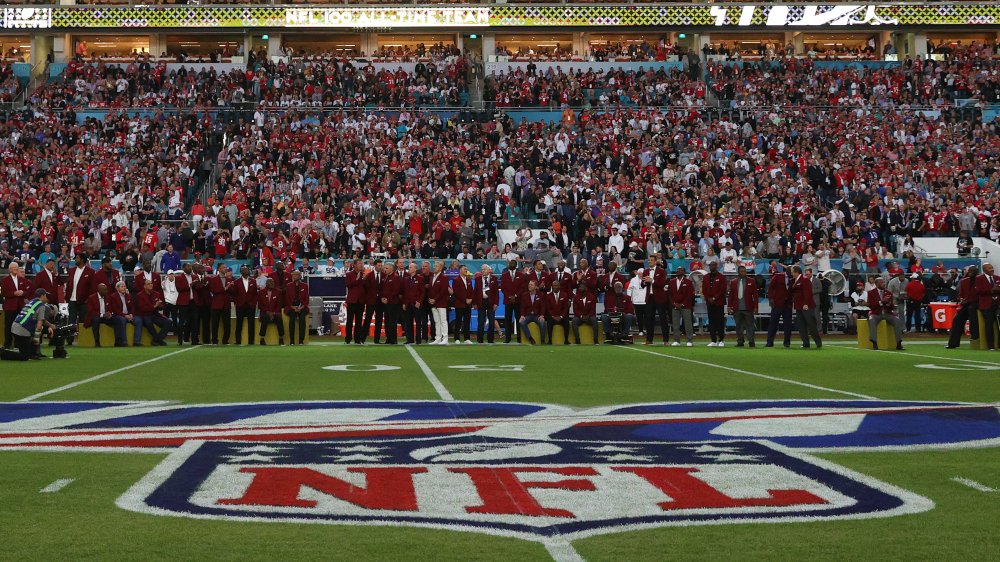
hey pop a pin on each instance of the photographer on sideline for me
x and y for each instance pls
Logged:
(28, 325)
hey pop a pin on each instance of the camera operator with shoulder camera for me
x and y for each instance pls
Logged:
(28, 326)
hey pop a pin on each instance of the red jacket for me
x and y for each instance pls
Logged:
(802, 294)
(586, 279)
(355, 287)
(85, 286)
(965, 293)
(437, 290)
(612, 303)
(244, 298)
(558, 306)
(656, 290)
(145, 303)
(749, 294)
(108, 279)
(269, 301)
(373, 287)
(606, 282)
(297, 291)
(462, 287)
(219, 288)
(139, 281)
(414, 290)
(567, 281)
(492, 290)
(512, 286)
(983, 291)
(778, 291)
(683, 296)
(881, 303)
(713, 287)
(94, 308)
(585, 306)
(529, 308)
(51, 285)
(114, 297)
(915, 290)
(13, 303)
(202, 292)
(392, 289)
(183, 287)
(541, 279)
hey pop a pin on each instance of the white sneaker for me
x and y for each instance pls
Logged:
(675, 344)
(713, 344)
(689, 344)
(721, 344)
(468, 342)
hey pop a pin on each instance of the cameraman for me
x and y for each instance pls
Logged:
(29, 322)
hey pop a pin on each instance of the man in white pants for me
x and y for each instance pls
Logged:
(438, 291)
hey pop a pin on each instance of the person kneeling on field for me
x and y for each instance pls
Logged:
(28, 326)
(532, 310)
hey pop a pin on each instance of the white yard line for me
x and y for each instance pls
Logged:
(973, 484)
(753, 374)
(435, 382)
(562, 551)
(56, 486)
(938, 357)
(103, 375)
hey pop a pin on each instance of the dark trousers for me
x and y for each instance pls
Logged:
(640, 317)
(463, 318)
(564, 322)
(220, 317)
(355, 316)
(391, 320)
(411, 316)
(423, 318)
(487, 319)
(118, 326)
(245, 313)
(8, 320)
(716, 322)
(592, 320)
(77, 312)
(510, 315)
(376, 311)
(173, 313)
(784, 315)
(912, 315)
(989, 324)
(652, 310)
(966, 313)
(189, 323)
(204, 324)
(158, 325)
(268, 319)
(26, 348)
(297, 322)
(808, 325)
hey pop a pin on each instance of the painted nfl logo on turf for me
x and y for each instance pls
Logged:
(533, 489)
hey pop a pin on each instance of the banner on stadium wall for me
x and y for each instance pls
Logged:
(731, 16)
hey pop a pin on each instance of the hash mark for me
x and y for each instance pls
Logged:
(56, 486)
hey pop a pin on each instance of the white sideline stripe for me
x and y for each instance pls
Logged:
(939, 357)
(973, 484)
(56, 486)
(102, 375)
(562, 551)
(753, 374)
(435, 382)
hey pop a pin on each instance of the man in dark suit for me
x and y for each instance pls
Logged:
(532, 310)
(355, 303)
(585, 312)
(218, 285)
(987, 291)
(713, 288)
(78, 289)
(391, 297)
(461, 288)
(16, 290)
(374, 309)
(100, 311)
(680, 293)
(244, 293)
(297, 308)
(743, 306)
(510, 285)
(779, 296)
(414, 293)
(882, 306)
(557, 304)
(805, 306)
(657, 299)
(487, 298)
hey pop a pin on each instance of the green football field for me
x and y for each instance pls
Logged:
(77, 516)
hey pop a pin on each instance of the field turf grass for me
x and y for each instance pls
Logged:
(82, 521)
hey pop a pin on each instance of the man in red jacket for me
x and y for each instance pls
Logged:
(244, 294)
(585, 277)
(423, 314)
(16, 290)
(297, 308)
(966, 310)
(617, 301)
(487, 297)
(557, 304)
(585, 312)
(48, 279)
(883, 307)
(270, 302)
(680, 294)
(219, 286)
(187, 318)
(713, 287)
(100, 311)
(743, 306)
(657, 300)
(438, 292)
(510, 285)
(107, 275)
(148, 307)
(987, 291)
(413, 301)
(374, 309)
(123, 308)
(532, 310)
(392, 299)
(461, 287)
(355, 303)
(78, 290)
(915, 292)
(203, 302)
(780, 298)
(805, 308)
